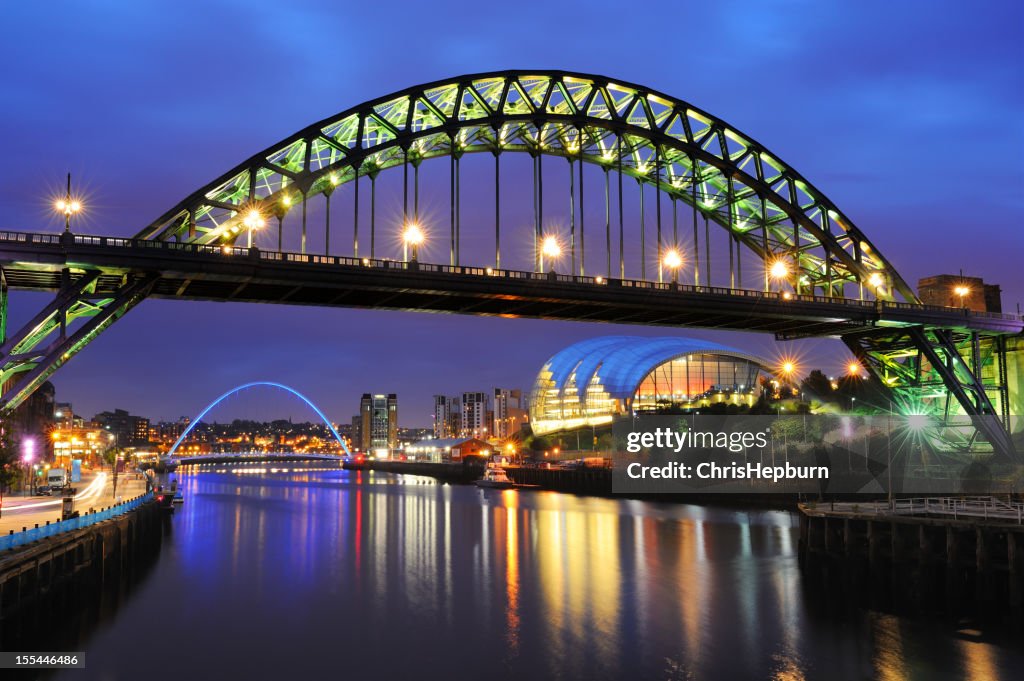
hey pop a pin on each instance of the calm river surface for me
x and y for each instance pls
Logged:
(331, 574)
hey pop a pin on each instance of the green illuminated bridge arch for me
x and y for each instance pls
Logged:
(689, 155)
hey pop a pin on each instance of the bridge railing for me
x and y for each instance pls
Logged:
(387, 264)
(15, 539)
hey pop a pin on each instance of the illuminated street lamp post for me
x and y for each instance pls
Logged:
(412, 237)
(962, 291)
(28, 447)
(673, 260)
(875, 281)
(253, 221)
(552, 250)
(68, 206)
(779, 271)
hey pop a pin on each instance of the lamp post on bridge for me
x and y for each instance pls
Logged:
(779, 271)
(673, 260)
(552, 250)
(253, 221)
(28, 447)
(68, 206)
(412, 237)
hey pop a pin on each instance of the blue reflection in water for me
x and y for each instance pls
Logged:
(296, 574)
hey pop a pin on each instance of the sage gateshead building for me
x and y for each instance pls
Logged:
(592, 382)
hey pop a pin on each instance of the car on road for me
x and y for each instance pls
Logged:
(44, 491)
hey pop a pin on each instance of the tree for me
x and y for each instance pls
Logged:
(538, 444)
(816, 384)
(10, 468)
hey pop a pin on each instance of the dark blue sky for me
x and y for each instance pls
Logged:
(909, 115)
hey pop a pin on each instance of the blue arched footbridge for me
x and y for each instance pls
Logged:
(234, 391)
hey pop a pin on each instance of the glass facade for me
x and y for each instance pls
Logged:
(593, 381)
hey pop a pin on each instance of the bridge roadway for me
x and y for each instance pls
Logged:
(255, 457)
(42, 262)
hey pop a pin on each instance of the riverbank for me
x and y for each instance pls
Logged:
(37, 578)
(927, 555)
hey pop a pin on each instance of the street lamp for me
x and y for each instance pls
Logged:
(68, 206)
(550, 248)
(853, 369)
(962, 291)
(28, 447)
(412, 236)
(253, 221)
(875, 281)
(779, 271)
(673, 260)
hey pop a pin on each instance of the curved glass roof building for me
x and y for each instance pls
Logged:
(592, 381)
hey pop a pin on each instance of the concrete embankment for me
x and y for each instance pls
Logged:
(576, 480)
(37, 577)
(596, 481)
(451, 472)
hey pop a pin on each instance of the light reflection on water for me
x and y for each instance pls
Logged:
(290, 573)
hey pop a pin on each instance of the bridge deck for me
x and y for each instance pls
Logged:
(197, 272)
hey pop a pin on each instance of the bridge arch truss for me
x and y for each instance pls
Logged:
(685, 153)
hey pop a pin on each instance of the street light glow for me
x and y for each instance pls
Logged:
(67, 206)
(875, 280)
(550, 247)
(853, 368)
(413, 235)
(673, 259)
(962, 291)
(779, 269)
(253, 220)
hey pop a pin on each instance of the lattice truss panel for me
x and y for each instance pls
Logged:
(958, 378)
(683, 151)
(87, 303)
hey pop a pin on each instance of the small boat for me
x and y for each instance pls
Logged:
(178, 498)
(495, 478)
(163, 498)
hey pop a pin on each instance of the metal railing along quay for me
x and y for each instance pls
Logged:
(956, 508)
(15, 539)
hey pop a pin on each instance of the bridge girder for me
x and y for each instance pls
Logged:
(956, 375)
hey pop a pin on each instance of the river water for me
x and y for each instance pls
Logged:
(311, 573)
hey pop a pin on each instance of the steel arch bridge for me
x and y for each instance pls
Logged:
(683, 152)
(816, 272)
(245, 386)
